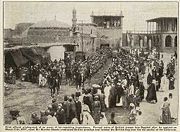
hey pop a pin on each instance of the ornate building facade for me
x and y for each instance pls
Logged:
(161, 34)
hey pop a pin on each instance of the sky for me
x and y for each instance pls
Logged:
(135, 13)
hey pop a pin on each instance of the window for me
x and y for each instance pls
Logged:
(168, 41)
(175, 41)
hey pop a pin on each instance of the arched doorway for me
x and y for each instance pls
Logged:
(145, 41)
(157, 38)
(168, 41)
(141, 43)
(149, 44)
(154, 41)
(175, 41)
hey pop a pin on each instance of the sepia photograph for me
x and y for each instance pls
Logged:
(90, 63)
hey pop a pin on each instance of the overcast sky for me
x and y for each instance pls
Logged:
(135, 13)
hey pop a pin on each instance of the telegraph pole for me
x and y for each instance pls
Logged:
(82, 37)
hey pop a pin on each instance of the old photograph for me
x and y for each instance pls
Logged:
(90, 63)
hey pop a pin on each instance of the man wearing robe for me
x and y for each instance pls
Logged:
(96, 109)
(151, 93)
(149, 78)
(164, 83)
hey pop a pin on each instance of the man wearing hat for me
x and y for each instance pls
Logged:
(43, 117)
(35, 119)
(54, 105)
(78, 107)
(86, 116)
(66, 107)
(72, 109)
(60, 115)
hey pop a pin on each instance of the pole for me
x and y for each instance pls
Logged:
(82, 38)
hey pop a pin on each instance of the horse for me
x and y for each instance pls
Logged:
(52, 84)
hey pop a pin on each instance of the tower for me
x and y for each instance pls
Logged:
(92, 18)
(74, 19)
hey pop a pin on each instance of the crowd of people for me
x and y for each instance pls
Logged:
(51, 73)
(123, 84)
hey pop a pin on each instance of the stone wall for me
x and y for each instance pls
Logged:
(114, 35)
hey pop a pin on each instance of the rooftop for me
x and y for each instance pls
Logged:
(107, 14)
(160, 18)
(39, 45)
(87, 24)
(50, 24)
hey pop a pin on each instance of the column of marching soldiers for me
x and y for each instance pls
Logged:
(122, 84)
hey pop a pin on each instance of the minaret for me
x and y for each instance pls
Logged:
(92, 17)
(74, 19)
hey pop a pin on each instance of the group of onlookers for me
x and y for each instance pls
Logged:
(123, 84)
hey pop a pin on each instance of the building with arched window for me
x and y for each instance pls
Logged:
(165, 28)
(161, 34)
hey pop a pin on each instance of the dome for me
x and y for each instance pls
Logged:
(50, 24)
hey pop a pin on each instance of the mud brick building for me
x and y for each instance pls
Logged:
(109, 26)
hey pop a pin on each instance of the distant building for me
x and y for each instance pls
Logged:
(21, 27)
(109, 26)
(161, 34)
(84, 34)
(14, 37)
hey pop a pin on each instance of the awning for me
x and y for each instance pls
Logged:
(29, 54)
